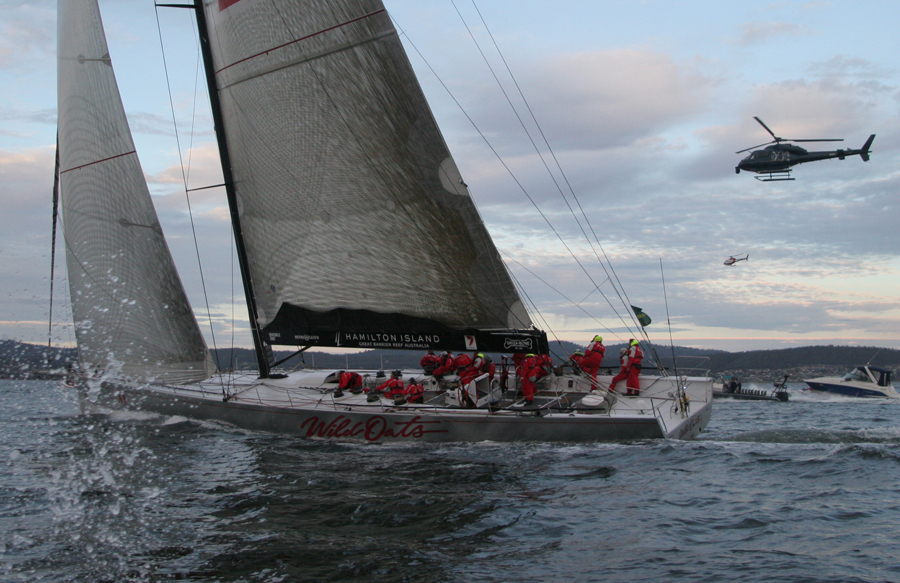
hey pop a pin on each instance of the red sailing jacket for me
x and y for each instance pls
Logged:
(635, 356)
(595, 352)
(430, 361)
(350, 380)
(391, 387)
(543, 364)
(414, 393)
(462, 360)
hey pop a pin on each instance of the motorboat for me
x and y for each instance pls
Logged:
(863, 381)
(732, 388)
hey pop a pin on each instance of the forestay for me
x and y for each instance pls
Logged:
(358, 227)
(131, 313)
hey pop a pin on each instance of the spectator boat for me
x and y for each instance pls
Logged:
(863, 381)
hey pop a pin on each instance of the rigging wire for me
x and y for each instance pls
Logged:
(539, 316)
(588, 314)
(668, 320)
(505, 166)
(559, 167)
(184, 178)
(515, 178)
(552, 154)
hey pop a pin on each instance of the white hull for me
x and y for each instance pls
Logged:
(840, 386)
(863, 381)
(303, 404)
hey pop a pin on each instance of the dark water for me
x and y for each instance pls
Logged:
(801, 491)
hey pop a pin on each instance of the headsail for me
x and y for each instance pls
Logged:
(358, 227)
(130, 310)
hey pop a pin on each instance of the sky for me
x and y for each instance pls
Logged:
(643, 104)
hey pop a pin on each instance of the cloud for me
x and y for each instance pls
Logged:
(202, 168)
(26, 175)
(26, 200)
(157, 124)
(754, 33)
(595, 100)
(606, 115)
(816, 5)
(27, 35)
(824, 108)
(37, 116)
(854, 67)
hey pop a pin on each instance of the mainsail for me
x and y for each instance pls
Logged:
(358, 227)
(130, 310)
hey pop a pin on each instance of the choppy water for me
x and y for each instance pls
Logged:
(802, 491)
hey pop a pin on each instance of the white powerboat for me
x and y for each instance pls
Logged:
(863, 381)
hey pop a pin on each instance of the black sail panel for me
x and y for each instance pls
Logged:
(366, 329)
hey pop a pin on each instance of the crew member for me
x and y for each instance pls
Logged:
(529, 376)
(392, 387)
(414, 392)
(462, 362)
(593, 358)
(471, 372)
(348, 381)
(544, 364)
(635, 356)
(623, 370)
(445, 365)
(576, 359)
(489, 367)
(430, 362)
(518, 359)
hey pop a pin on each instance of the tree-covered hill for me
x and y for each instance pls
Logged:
(21, 360)
(844, 356)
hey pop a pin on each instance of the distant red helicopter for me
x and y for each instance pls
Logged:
(732, 260)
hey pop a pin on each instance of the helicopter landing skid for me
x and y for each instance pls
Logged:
(775, 176)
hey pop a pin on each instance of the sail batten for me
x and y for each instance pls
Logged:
(355, 217)
(132, 317)
(287, 44)
(98, 162)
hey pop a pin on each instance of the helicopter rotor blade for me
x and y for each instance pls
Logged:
(823, 140)
(776, 138)
(755, 147)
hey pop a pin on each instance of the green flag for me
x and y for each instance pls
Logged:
(643, 318)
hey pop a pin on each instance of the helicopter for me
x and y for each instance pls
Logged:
(732, 260)
(776, 160)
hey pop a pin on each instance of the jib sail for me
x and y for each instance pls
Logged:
(130, 310)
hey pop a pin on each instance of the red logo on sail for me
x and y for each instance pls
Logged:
(223, 4)
(470, 343)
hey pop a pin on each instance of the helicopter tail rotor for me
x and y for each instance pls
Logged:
(864, 153)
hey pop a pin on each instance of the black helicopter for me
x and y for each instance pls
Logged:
(776, 160)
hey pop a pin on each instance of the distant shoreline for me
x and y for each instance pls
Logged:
(19, 360)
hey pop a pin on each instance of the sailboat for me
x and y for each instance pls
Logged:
(353, 228)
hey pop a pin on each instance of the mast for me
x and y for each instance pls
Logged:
(261, 348)
(53, 251)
